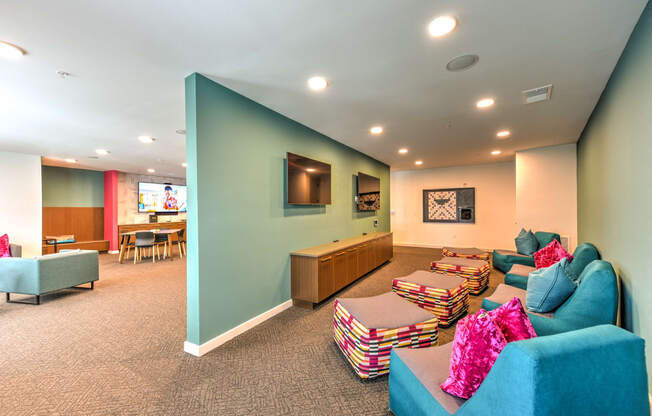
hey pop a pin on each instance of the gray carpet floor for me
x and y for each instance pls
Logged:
(118, 350)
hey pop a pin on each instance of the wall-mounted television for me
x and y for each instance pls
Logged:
(368, 192)
(308, 181)
(161, 198)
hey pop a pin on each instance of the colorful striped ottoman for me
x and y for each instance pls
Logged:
(366, 330)
(476, 272)
(445, 296)
(467, 253)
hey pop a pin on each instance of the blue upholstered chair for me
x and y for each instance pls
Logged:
(594, 302)
(504, 259)
(593, 371)
(584, 254)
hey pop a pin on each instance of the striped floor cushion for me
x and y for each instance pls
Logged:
(445, 296)
(366, 330)
(476, 272)
(467, 253)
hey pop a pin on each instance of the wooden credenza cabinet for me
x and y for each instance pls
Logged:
(320, 271)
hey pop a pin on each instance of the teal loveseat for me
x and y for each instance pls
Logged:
(584, 254)
(40, 275)
(504, 259)
(593, 371)
(594, 302)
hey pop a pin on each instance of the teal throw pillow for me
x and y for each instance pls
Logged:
(549, 287)
(526, 243)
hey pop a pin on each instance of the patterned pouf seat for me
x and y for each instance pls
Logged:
(466, 252)
(366, 330)
(445, 296)
(476, 272)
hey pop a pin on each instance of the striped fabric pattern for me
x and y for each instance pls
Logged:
(476, 272)
(447, 304)
(467, 253)
(368, 349)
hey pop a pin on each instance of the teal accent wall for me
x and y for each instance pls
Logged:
(240, 230)
(615, 177)
(64, 187)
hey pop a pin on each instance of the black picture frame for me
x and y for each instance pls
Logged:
(464, 206)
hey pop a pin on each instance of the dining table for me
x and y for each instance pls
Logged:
(125, 238)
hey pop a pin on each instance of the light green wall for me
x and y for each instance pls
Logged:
(615, 178)
(240, 230)
(64, 187)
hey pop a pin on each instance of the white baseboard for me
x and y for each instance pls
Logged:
(114, 251)
(418, 245)
(199, 350)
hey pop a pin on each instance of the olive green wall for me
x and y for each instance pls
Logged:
(615, 177)
(64, 187)
(240, 230)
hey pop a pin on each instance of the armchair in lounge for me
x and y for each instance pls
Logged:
(594, 302)
(584, 254)
(504, 259)
(577, 373)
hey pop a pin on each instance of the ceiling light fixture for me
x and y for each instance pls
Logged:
(146, 139)
(403, 151)
(317, 83)
(463, 62)
(485, 102)
(102, 152)
(180, 131)
(310, 170)
(376, 130)
(150, 170)
(441, 26)
(70, 160)
(9, 51)
(184, 164)
(503, 133)
(496, 152)
(418, 162)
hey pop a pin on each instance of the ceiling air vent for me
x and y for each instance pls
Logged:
(537, 94)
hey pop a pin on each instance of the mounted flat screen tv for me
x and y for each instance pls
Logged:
(368, 192)
(161, 198)
(308, 181)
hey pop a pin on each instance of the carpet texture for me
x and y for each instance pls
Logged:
(118, 350)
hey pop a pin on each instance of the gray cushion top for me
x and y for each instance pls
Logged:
(466, 250)
(434, 279)
(510, 253)
(431, 367)
(385, 311)
(461, 261)
(521, 270)
(504, 293)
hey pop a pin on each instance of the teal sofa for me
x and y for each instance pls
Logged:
(593, 371)
(594, 302)
(40, 275)
(504, 259)
(584, 254)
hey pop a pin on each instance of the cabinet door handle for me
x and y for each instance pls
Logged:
(325, 259)
(339, 254)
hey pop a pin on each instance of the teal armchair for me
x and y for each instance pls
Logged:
(40, 275)
(504, 259)
(593, 371)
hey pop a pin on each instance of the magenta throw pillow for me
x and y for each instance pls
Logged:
(550, 255)
(4, 246)
(478, 342)
(513, 321)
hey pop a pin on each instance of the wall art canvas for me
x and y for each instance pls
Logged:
(451, 205)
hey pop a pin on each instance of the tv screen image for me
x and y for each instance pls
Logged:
(160, 197)
(308, 181)
(368, 192)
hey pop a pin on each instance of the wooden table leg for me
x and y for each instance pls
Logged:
(170, 247)
(122, 249)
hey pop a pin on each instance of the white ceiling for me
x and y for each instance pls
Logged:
(128, 60)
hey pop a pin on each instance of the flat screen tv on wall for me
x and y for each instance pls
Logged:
(161, 198)
(368, 192)
(308, 181)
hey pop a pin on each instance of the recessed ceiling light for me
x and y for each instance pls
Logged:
(317, 83)
(496, 152)
(441, 26)
(485, 102)
(418, 162)
(180, 131)
(70, 160)
(403, 151)
(150, 170)
(463, 62)
(503, 133)
(102, 152)
(310, 170)
(146, 139)
(9, 51)
(184, 164)
(376, 130)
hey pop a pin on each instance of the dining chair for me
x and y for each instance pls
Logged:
(161, 240)
(181, 242)
(144, 240)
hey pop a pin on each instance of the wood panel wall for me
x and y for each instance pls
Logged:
(87, 224)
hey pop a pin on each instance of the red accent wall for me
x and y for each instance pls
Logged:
(111, 208)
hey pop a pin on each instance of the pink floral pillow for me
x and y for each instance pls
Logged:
(4, 246)
(550, 255)
(513, 321)
(478, 341)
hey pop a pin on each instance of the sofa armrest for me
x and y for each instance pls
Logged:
(18, 275)
(15, 250)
